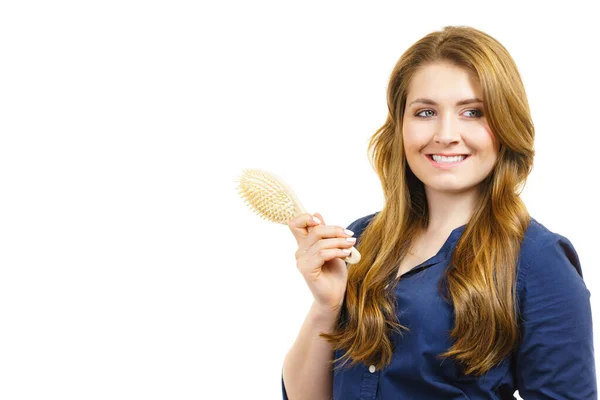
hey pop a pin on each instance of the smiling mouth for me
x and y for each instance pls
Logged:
(465, 156)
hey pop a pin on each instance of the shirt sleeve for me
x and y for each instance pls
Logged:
(555, 359)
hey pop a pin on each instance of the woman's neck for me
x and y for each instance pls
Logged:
(448, 210)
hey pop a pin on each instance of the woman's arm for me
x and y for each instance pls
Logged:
(307, 373)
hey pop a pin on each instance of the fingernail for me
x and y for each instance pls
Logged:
(349, 232)
(317, 220)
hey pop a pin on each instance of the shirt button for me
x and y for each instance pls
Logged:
(372, 369)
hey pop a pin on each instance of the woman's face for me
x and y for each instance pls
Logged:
(444, 116)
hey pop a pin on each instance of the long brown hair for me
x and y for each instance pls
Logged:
(481, 277)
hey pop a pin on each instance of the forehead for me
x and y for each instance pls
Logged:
(442, 82)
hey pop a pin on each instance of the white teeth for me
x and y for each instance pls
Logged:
(443, 159)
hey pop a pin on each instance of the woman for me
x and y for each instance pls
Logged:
(459, 293)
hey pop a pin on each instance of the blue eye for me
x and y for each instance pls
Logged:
(417, 115)
(479, 113)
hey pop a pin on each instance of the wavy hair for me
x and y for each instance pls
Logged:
(481, 279)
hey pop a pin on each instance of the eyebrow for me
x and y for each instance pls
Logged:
(460, 103)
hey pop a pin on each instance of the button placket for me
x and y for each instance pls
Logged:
(370, 382)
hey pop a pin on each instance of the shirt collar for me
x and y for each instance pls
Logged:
(447, 246)
(456, 233)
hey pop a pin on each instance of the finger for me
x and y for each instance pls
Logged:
(301, 225)
(333, 243)
(307, 263)
(320, 217)
(323, 236)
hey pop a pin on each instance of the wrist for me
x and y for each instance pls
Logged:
(326, 313)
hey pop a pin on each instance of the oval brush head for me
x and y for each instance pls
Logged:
(272, 199)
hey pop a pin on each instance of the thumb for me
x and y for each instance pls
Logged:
(320, 217)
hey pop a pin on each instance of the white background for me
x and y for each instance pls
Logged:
(129, 266)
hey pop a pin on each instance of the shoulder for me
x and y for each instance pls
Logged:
(542, 244)
(535, 235)
(359, 225)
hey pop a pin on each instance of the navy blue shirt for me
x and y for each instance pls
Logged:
(555, 357)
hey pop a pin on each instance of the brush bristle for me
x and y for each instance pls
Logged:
(267, 195)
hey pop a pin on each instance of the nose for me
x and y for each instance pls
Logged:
(446, 131)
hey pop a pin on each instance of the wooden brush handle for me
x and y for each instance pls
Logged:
(354, 256)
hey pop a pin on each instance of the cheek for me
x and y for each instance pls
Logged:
(488, 148)
(492, 138)
(412, 138)
(484, 142)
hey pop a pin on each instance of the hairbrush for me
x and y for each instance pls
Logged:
(272, 199)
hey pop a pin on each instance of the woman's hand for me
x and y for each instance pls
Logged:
(320, 257)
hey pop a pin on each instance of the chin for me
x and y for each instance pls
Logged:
(449, 188)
